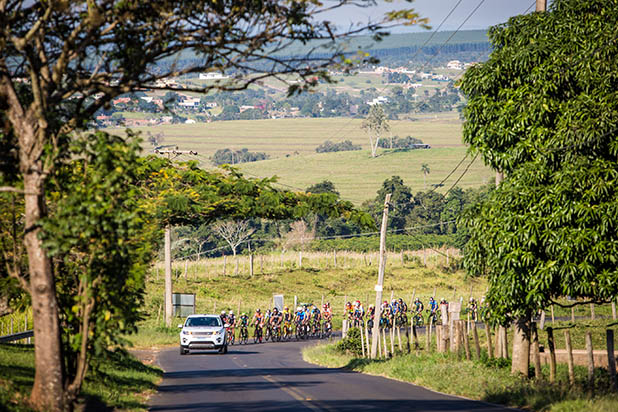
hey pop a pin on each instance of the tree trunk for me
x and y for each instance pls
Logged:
(47, 391)
(521, 347)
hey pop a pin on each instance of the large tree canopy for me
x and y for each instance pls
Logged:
(544, 109)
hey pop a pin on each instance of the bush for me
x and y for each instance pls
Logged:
(228, 156)
(393, 242)
(406, 143)
(344, 146)
(351, 343)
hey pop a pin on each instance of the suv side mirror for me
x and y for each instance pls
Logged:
(180, 325)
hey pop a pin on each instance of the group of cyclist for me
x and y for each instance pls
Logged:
(308, 320)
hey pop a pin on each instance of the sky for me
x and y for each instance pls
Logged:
(491, 12)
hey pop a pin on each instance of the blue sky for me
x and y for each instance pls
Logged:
(491, 12)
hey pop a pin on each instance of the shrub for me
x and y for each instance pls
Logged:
(329, 146)
(351, 343)
(406, 143)
(228, 156)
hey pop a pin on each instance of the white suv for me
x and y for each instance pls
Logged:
(203, 332)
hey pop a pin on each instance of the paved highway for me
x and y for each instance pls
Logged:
(273, 377)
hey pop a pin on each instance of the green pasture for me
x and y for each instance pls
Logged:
(358, 177)
(291, 145)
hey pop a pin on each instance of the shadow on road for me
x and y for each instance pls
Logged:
(232, 386)
(346, 405)
(248, 372)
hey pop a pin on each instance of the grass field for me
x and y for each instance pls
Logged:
(291, 145)
(120, 382)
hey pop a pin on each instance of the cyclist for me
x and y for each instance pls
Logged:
(472, 307)
(385, 314)
(433, 309)
(243, 323)
(359, 313)
(223, 317)
(349, 311)
(275, 321)
(402, 306)
(418, 312)
(370, 314)
(231, 320)
(258, 321)
(288, 317)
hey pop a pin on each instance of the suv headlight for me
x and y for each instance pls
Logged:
(186, 332)
(217, 333)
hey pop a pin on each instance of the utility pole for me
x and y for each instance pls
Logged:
(375, 333)
(168, 243)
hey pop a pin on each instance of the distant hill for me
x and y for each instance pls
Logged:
(399, 48)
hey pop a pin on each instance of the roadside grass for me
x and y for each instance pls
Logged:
(119, 381)
(487, 380)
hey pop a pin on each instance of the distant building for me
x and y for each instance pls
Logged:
(212, 76)
(378, 100)
(454, 65)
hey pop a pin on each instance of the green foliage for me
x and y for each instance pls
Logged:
(393, 242)
(351, 343)
(344, 146)
(101, 242)
(230, 157)
(403, 143)
(544, 109)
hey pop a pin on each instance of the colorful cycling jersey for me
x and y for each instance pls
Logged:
(433, 305)
(231, 319)
(244, 320)
(418, 306)
(300, 315)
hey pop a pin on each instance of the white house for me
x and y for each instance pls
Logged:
(212, 76)
(454, 65)
(378, 100)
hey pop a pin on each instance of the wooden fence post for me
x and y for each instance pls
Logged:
(335, 258)
(552, 354)
(300, 259)
(362, 338)
(611, 359)
(477, 345)
(251, 264)
(464, 337)
(613, 309)
(224, 264)
(592, 311)
(490, 346)
(536, 355)
(569, 349)
(590, 360)
(573, 314)
(553, 319)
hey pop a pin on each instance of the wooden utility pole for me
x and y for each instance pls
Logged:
(375, 334)
(168, 243)
(541, 5)
(168, 276)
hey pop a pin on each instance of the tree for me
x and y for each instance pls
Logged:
(74, 58)
(375, 125)
(401, 201)
(425, 170)
(325, 186)
(544, 110)
(234, 232)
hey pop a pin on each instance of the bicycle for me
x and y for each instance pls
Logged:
(230, 333)
(432, 317)
(276, 333)
(257, 334)
(327, 329)
(287, 331)
(268, 333)
(418, 319)
(401, 320)
(244, 335)
(317, 329)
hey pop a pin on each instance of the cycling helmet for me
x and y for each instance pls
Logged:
(243, 314)
(299, 309)
(258, 310)
(222, 313)
(286, 308)
(399, 300)
(324, 306)
(231, 312)
(275, 310)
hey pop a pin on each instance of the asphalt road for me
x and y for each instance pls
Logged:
(273, 377)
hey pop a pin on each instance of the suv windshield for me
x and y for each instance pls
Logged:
(203, 321)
